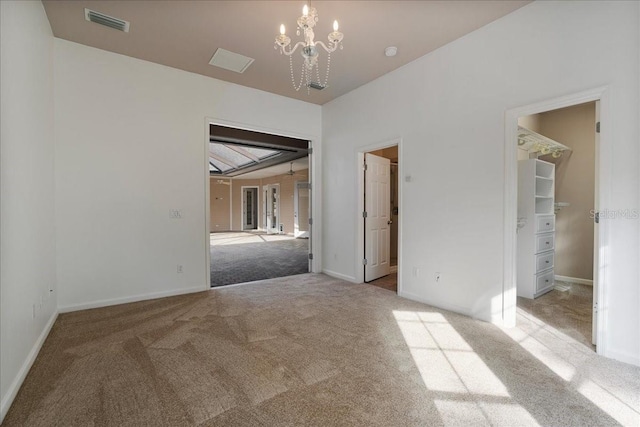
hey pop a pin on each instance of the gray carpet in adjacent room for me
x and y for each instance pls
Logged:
(309, 350)
(568, 311)
(266, 259)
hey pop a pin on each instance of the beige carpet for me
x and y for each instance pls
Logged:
(314, 351)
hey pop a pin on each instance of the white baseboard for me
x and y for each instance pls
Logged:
(134, 298)
(574, 280)
(234, 285)
(443, 305)
(24, 370)
(623, 357)
(340, 276)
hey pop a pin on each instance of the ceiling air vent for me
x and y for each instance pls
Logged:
(316, 85)
(106, 20)
(230, 61)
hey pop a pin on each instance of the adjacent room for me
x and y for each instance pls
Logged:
(251, 213)
(557, 206)
(259, 205)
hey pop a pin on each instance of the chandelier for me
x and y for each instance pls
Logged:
(310, 50)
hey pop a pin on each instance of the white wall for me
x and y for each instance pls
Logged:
(130, 146)
(449, 109)
(27, 262)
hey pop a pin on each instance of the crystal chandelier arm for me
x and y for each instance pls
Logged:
(293, 49)
(333, 47)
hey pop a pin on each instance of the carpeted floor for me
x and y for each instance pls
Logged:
(315, 351)
(568, 311)
(240, 257)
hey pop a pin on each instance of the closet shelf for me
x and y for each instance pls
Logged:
(533, 142)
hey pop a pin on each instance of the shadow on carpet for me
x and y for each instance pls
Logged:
(248, 262)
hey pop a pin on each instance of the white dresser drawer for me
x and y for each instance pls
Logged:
(545, 242)
(544, 261)
(544, 281)
(545, 223)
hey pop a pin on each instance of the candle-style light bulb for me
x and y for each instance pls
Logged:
(335, 25)
(282, 31)
(305, 10)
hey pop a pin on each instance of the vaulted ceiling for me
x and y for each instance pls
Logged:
(185, 35)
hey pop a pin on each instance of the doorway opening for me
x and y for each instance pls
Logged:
(254, 212)
(380, 198)
(556, 183)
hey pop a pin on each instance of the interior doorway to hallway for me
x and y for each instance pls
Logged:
(380, 197)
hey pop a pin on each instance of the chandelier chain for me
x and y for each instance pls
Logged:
(293, 80)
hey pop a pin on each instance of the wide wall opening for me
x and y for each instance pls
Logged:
(259, 204)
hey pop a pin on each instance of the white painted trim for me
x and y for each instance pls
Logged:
(455, 309)
(587, 282)
(340, 276)
(26, 366)
(233, 285)
(315, 178)
(359, 224)
(207, 209)
(125, 300)
(623, 356)
(511, 201)
(230, 205)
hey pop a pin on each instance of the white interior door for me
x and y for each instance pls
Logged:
(272, 208)
(377, 220)
(301, 209)
(596, 230)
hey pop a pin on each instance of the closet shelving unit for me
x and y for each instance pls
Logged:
(538, 144)
(536, 238)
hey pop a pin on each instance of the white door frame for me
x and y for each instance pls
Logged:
(315, 178)
(266, 191)
(296, 216)
(603, 156)
(257, 202)
(359, 267)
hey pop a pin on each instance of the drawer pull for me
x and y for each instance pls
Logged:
(548, 223)
(546, 281)
(546, 262)
(546, 243)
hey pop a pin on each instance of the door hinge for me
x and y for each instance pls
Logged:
(310, 221)
(364, 214)
(595, 307)
(310, 256)
(310, 150)
(597, 127)
(596, 218)
(364, 166)
(364, 261)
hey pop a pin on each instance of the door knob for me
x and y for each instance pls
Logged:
(389, 222)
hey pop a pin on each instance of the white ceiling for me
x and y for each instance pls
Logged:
(185, 35)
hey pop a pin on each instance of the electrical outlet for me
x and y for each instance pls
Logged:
(438, 275)
(179, 268)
